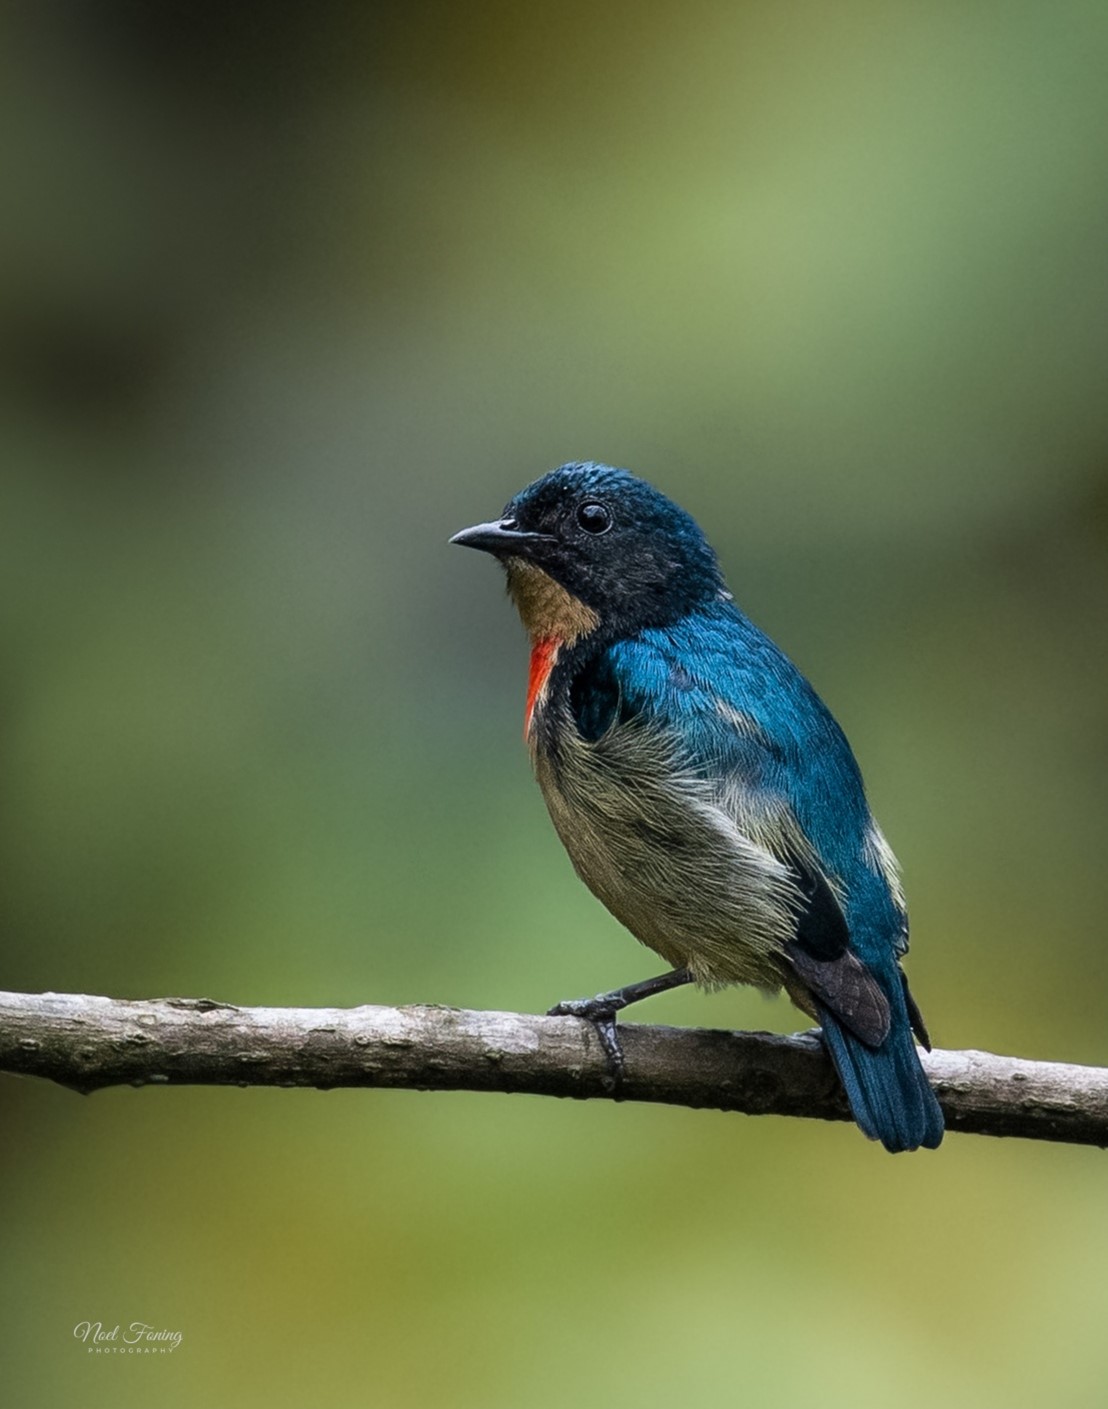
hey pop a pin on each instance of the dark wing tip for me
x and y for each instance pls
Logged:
(915, 1017)
(846, 988)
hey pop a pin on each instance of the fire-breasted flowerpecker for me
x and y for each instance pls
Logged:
(702, 789)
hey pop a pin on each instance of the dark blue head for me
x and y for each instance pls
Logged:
(589, 546)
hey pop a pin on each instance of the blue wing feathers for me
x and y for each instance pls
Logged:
(738, 705)
(700, 674)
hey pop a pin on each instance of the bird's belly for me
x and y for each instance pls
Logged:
(668, 861)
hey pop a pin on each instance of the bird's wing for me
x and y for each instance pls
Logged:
(744, 720)
(821, 955)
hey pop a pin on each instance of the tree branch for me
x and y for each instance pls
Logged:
(86, 1043)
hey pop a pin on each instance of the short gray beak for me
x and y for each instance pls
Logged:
(501, 537)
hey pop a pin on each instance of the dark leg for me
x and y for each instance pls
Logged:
(601, 1011)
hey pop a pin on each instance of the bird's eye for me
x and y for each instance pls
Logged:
(594, 517)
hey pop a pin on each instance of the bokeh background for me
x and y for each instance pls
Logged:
(288, 293)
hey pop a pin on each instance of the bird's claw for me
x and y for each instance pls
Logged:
(603, 1018)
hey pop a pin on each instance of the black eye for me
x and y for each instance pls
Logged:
(594, 517)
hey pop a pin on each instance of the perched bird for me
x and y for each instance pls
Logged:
(702, 789)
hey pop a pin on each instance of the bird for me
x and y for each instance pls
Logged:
(703, 790)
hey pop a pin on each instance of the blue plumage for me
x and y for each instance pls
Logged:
(792, 750)
(796, 755)
(703, 790)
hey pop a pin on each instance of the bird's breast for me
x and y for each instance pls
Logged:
(653, 843)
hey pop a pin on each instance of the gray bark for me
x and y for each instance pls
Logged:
(87, 1042)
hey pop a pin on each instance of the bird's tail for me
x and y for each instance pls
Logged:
(889, 1095)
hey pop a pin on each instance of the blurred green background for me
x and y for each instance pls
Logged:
(289, 293)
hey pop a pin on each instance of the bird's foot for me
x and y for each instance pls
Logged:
(602, 1014)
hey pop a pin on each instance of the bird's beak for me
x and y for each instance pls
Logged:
(501, 538)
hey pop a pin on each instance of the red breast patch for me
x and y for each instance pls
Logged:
(543, 654)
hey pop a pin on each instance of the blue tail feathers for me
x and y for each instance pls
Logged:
(889, 1095)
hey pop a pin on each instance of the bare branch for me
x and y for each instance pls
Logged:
(87, 1042)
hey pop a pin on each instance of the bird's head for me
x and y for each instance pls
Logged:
(588, 547)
